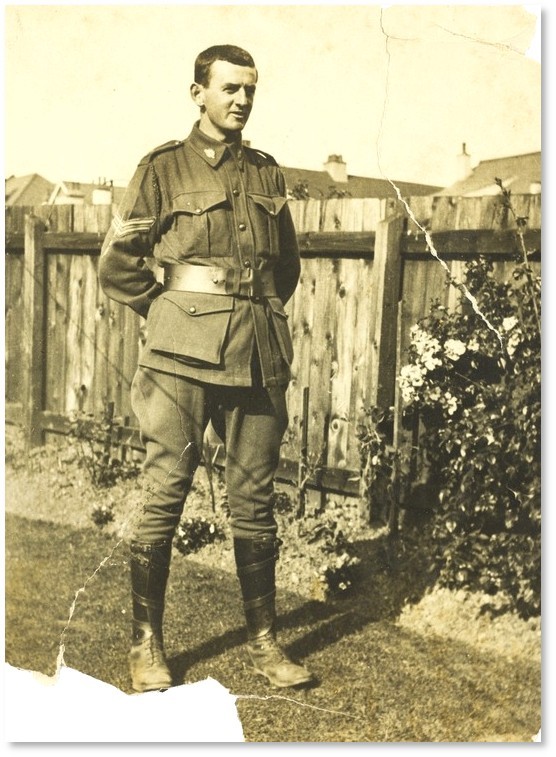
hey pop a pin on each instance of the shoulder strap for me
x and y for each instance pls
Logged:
(171, 145)
(263, 157)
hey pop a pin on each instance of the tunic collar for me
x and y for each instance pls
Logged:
(212, 150)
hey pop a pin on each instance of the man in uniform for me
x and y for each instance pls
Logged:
(213, 215)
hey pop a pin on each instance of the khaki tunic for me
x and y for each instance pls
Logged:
(206, 203)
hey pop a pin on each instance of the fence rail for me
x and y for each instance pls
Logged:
(69, 348)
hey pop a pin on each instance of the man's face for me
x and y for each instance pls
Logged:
(227, 99)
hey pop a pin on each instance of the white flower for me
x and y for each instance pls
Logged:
(513, 342)
(451, 403)
(435, 394)
(454, 348)
(473, 345)
(408, 394)
(426, 347)
(430, 362)
(411, 375)
(509, 323)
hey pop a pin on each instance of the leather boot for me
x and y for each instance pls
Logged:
(255, 563)
(150, 566)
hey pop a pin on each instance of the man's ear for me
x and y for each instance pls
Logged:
(197, 92)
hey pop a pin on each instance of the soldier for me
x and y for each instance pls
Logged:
(212, 213)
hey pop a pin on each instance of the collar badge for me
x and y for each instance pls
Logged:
(209, 152)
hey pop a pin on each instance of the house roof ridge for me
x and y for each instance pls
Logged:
(508, 157)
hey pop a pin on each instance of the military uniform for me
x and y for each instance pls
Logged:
(214, 217)
(206, 203)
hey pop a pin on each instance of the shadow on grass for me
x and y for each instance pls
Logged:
(391, 573)
(47, 564)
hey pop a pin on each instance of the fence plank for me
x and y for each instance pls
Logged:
(336, 243)
(386, 293)
(73, 382)
(34, 342)
(363, 327)
(101, 315)
(470, 243)
(58, 279)
(129, 358)
(88, 333)
(115, 353)
(305, 214)
(448, 243)
(422, 209)
(341, 379)
(13, 327)
(321, 354)
(302, 329)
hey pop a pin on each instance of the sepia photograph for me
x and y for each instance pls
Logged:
(272, 389)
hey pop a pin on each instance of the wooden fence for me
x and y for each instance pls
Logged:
(69, 348)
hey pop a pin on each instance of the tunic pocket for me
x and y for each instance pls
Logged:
(190, 325)
(201, 222)
(267, 209)
(281, 328)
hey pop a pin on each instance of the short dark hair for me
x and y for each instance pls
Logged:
(229, 53)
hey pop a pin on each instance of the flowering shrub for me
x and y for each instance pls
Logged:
(337, 570)
(337, 574)
(379, 461)
(474, 378)
(192, 534)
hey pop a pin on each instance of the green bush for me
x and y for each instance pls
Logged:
(474, 377)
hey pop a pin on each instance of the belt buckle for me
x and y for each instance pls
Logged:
(251, 283)
(255, 283)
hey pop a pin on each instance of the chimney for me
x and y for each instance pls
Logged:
(463, 164)
(336, 169)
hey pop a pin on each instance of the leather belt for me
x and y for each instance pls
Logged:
(214, 280)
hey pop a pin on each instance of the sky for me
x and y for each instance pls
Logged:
(90, 89)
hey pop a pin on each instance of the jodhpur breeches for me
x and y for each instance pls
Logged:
(173, 413)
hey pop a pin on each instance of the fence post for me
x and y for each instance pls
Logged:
(385, 293)
(33, 331)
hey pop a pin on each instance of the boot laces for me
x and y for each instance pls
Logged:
(152, 648)
(268, 645)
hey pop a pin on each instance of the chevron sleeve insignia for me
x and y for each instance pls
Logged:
(122, 228)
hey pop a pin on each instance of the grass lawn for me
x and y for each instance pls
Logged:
(379, 681)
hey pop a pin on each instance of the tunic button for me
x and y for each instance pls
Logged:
(242, 227)
(192, 309)
(198, 211)
(247, 263)
(235, 192)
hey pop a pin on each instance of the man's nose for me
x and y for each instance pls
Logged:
(241, 97)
